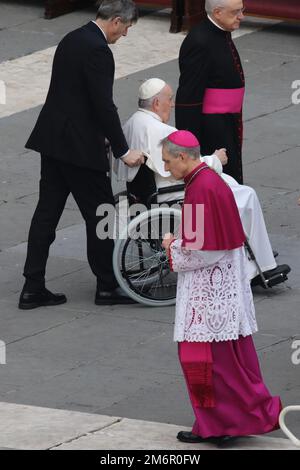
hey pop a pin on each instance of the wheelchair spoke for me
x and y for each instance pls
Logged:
(136, 263)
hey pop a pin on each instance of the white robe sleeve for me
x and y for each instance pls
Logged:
(155, 134)
(182, 259)
(213, 162)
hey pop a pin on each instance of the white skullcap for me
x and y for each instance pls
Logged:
(151, 88)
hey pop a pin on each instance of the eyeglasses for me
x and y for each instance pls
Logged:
(239, 12)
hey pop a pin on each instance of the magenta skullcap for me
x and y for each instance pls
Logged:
(184, 139)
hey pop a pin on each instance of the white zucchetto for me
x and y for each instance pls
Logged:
(150, 88)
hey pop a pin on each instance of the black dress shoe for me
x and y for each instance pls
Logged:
(114, 297)
(226, 441)
(187, 436)
(43, 298)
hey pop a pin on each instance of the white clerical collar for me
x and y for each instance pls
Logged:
(156, 116)
(100, 29)
(215, 23)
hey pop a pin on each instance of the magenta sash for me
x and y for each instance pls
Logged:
(223, 101)
(197, 362)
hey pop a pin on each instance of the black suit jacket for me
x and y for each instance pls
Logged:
(79, 111)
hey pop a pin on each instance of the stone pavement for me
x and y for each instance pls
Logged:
(107, 362)
(27, 77)
(29, 427)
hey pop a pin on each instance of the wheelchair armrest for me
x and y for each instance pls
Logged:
(166, 190)
(171, 189)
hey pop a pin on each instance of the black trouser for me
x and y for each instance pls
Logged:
(143, 185)
(90, 188)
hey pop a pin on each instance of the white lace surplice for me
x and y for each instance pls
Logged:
(214, 298)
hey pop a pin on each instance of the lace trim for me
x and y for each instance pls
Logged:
(214, 302)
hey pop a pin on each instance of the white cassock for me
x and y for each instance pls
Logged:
(254, 225)
(144, 131)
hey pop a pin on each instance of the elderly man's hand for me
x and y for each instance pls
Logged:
(221, 154)
(134, 158)
(167, 240)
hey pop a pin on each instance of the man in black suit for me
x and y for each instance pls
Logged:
(70, 133)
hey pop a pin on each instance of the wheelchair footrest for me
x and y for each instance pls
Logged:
(273, 277)
(277, 279)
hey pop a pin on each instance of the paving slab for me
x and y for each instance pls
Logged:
(278, 171)
(24, 427)
(11, 278)
(24, 30)
(277, 39)
(27, 427)
(135, 434)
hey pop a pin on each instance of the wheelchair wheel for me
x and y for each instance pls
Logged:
(139, 261)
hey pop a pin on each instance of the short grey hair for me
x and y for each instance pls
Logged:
(175, 150)
(125, 9)
(147, 104)
(210, 5)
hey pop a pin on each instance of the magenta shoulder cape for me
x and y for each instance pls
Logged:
(221, 227)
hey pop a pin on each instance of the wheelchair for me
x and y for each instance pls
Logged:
(140, 263)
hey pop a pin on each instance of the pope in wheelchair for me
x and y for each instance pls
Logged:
(150, 183)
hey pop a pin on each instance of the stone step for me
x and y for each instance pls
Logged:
(26, 427)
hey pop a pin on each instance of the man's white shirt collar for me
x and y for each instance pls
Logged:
(100, 29)
(215, 23)
(156, 116)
